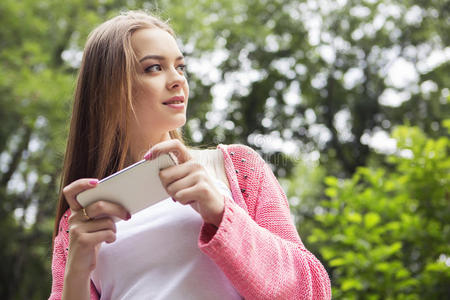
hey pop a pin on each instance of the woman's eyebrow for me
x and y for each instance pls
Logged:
(158, 57)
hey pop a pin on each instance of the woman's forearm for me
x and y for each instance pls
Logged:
(76, 286)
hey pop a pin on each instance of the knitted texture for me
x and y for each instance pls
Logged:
(60, 251)
(256, 245)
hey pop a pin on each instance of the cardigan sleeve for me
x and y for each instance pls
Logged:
(59, 258)
(58, 267)
(264, 257)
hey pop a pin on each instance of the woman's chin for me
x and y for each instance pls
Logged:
(178, 124)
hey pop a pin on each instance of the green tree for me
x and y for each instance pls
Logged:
(385, 234)
(33, 106)
(323, 75)
(277, 70)
(37, 40)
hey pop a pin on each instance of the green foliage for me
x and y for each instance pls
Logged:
(275, 80)
(385, 232)
(290, 64)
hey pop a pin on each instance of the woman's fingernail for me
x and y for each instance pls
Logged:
(148, 155)
(93, 182)
(174, 200)
(128, 216)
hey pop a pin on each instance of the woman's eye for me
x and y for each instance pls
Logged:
(153, 68)
(181, 68)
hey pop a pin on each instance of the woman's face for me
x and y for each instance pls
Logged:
(161, 99)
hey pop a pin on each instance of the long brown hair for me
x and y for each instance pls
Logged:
(97, 145)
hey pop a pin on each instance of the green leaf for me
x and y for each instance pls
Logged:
(354, 217)
(371, 219)
(331, 192)
(349, 284)
(331, 181)
(446, 124)
(336, 262)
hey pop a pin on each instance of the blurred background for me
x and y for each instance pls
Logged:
(347, 100)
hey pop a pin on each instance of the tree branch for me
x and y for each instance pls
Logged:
(23, 145)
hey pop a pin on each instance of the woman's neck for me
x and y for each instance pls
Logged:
(140, 145)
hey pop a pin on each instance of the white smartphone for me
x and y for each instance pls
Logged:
(135, 187)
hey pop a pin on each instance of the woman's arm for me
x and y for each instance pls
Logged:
(81, 232)
(264, 257)
(76, 286)
(62, 279)
(58, 267)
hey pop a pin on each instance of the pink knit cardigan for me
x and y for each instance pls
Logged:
(256, 245)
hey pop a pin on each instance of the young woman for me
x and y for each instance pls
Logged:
(226, 231)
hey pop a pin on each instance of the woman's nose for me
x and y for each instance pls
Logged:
(175, 79)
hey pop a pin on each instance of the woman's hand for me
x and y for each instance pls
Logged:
(189, 183)
(87, 232)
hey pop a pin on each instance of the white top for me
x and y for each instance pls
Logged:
(155, 256)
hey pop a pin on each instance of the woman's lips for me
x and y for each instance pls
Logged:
(174, 100)
(175, 105)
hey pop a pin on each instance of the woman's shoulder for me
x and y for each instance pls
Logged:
(226, 153)
(221, 157)
(237, 148)
(64, 221)
(240, 153)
